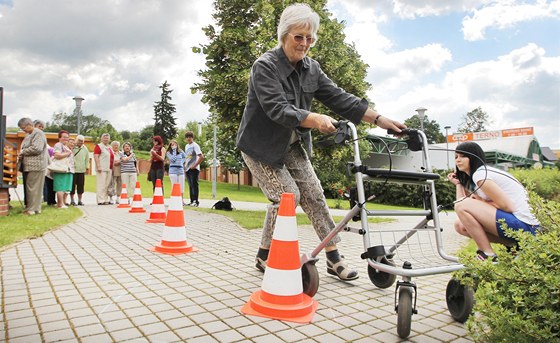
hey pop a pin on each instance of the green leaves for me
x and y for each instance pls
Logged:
(518, 299)
(246, 29)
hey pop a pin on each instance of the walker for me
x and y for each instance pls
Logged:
(408, 253)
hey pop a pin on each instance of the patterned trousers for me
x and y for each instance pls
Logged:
(297, 177)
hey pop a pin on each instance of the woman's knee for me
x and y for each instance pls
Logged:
(460, 228)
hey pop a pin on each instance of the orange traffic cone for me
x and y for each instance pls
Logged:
(157, 215)
(174, 237)
(123, 203)
(137, 206)
(281, 295)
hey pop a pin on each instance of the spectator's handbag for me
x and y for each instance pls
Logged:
(59, 165)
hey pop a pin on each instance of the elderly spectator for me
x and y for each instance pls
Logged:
(48, 193)
(103, 157)
(34, 159)
(116, 181)
(129, 169)
(62, 182)
(81, 166)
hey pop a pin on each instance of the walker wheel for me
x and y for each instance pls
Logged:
(404, 312)
(460, 300)
(310, 278)
(379, 278)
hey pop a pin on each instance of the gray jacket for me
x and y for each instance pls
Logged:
(34, 151)
(279, 98)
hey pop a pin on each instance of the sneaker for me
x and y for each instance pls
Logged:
(72, 204)
(80, 203)
(341, 270)
(260, 264)
(28, 213)
(481, 255)
(63, 207)
(194, 204)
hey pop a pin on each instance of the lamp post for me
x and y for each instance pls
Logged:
(214, 163)
(447, 145)
(421, 115)
(78, 111)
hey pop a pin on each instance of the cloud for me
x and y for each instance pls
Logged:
(505, 14)
(405, 9)
(115, 54)
(516, 90)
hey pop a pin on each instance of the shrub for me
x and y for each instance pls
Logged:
(518, 298)
(546, 181)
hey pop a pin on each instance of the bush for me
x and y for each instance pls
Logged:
(518, 298)
(546, 181)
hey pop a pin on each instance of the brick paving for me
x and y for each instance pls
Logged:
(96, 281)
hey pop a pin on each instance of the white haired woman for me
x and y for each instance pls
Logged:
(34, 159)
(274, 135)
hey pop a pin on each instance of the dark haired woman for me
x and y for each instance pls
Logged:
(487, 197)
(157, 157)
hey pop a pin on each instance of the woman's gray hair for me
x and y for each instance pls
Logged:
(297, 15)
(38, 122)
(24, 122)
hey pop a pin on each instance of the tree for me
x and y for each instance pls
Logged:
(90, 125)
(164, 121)
(244, 30)
(474, 121)
(431, 129)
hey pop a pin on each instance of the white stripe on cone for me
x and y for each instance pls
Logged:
(285, 229)
(282, 282)
(158, 208)
(175, 204)
(174, 234)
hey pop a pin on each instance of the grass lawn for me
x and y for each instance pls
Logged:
(254, 219)
(244, 193)
(16, 226)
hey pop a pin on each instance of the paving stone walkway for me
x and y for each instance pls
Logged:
(96, 281)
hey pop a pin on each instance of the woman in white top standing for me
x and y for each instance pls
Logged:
(487, 197)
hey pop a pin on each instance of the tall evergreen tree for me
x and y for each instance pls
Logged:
(164, 121)
(245, 29)
(474, 121)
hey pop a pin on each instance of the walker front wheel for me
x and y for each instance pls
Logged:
(460, 300)
(404, 312)
(379, 278)
(310, 278)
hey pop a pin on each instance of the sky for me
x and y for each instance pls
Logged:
(447, 56)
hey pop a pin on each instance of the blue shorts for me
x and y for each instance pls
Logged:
(513, 223)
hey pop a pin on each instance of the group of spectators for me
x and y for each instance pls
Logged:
(181, 163)
(114, 167)
(40, 182)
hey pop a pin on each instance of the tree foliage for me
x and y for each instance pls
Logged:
(90, 125)
(474, 121)
(431, 129)
(246, 29)
(164, 121)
